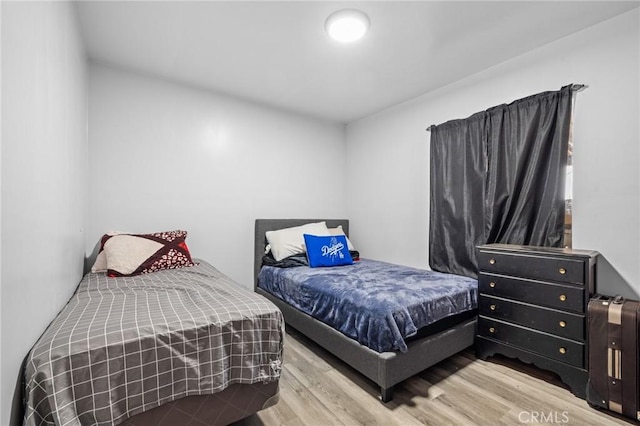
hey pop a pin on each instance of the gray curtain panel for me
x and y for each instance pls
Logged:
(499, 177)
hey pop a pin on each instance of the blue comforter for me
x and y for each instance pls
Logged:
(376, 303)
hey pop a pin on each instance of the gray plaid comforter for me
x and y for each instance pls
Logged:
(122, 346)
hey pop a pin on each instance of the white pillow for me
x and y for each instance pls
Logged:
(125, 253)
(289, 241)
(340, 231)
(100, 265)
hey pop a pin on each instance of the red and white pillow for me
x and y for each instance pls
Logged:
(123, 254)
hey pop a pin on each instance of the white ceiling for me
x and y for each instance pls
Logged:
(277, 53)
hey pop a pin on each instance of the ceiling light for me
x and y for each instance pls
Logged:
(347, 25)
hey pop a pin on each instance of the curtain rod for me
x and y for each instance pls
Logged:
(574, 88)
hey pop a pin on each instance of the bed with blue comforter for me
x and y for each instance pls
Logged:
(388, 322)
(378, 304)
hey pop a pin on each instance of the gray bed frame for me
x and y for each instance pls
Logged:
(386, 369)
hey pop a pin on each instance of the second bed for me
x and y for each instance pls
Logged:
(387, 321)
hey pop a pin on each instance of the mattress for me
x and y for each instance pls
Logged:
(123, 346)
(378, 304)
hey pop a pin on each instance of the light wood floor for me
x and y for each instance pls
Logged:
(318, 389)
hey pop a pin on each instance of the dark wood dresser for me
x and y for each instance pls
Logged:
(532, 306)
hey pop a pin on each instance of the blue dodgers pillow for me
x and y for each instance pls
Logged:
(330, 250)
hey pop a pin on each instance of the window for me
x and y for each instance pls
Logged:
(501, 176)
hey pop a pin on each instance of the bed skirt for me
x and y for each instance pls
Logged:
(232, 404)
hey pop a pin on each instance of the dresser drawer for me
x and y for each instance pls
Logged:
(567, 351)
(535, 292)
(531, 266)
(560, 323)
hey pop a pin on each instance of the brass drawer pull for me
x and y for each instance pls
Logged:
(562, 271)
(562, 351)
(492, 284)
(492, 330)
(563, 297)
(562, 324)
(492, 307)
(492, 261)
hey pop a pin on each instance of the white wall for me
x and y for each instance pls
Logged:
(388, 153)
(165, 156)
(1, 399)
(44, 173)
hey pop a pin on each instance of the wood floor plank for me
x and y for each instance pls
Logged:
(306, 405)
(370, 410)
(316, 388)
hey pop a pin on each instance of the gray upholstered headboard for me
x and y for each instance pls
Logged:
(264, 225)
